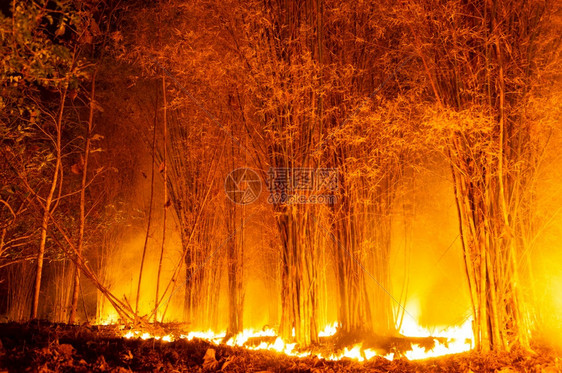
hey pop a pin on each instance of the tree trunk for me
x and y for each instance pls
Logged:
(80, 245)
(298, 275)
(149, 220)
(47, 208)
(165, 205)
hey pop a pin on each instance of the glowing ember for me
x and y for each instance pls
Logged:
(111, 318)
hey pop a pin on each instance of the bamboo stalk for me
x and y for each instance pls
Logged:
(48, 203)
(80, 244)
(149, 221)
(165, 204)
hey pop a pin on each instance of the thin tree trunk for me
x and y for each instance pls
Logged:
(298, 275)
(165, 206)
(148, 224)
(232, 264)
(80, 245)
(47, 207)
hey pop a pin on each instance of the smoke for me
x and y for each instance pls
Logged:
(546, 246)
(427, 268)
(427, 261)
(122, 267)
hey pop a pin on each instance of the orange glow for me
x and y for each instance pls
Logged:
(459, 339)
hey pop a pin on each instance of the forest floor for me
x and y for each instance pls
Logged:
(46, 347)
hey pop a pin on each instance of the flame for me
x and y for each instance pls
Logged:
(208, 336)
(356, 352)
(329, 330)
(459, 339)
(242, 338)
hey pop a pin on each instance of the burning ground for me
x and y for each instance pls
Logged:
(275, 185)
(46, 347)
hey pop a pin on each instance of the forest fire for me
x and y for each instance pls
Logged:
(280, 185)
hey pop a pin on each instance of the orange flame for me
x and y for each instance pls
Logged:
(459, 340)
